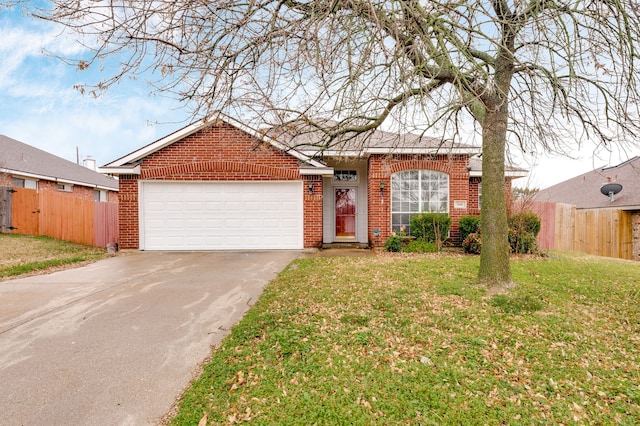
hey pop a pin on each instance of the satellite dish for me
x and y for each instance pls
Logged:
(610, 189)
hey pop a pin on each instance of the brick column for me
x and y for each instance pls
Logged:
(378, 202)
(129, 232)
(312, 190)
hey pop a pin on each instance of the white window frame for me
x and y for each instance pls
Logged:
(418, 189)
(100, 195)
(26, 183)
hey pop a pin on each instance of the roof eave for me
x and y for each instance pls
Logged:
(384, 151)
(121, 170)
(57, 179)
(197, 126)
(322, 171)
(631, 207)
(157, 145)
(26, 174)
(421, 150)
(516, 174)
(512, 174)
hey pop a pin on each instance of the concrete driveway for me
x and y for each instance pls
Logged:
(117, 341)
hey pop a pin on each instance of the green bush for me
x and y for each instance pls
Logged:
(525, 222)
(420, 246)
(469, 225)
(523, 230)
(472, 243)
(393, 243)
(431, 227)
(523, 242)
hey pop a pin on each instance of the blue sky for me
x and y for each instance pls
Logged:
(40, 107)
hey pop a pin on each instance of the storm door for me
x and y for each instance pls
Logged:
(345, 199)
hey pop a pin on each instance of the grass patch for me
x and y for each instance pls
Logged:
(25, 254)
(516, 305)
(414, 340)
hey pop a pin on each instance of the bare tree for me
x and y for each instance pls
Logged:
(527, 74)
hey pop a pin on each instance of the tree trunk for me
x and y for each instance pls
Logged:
(495, 271)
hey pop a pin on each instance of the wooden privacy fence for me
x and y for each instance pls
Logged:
(63, 216)
(603, 232)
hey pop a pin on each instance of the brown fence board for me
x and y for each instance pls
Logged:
(106, 224)
(602, 232)
(64, 216)
(547, 212)
(25, 211)
(565, 229)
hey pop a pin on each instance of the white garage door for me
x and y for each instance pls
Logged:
(221, 215)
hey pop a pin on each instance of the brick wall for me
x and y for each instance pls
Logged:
(112, 196)
(382, 167)
(312, 211)
(635, 235)
(82, 192)
(128, 211)
(218, 153)
(474, 196)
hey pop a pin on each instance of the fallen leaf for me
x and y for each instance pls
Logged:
(203, 420)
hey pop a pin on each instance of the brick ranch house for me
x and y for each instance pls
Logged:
(218, 184)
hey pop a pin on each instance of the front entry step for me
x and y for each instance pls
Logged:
(350, 245)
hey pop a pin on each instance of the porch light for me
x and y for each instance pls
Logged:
(381, 187)
(310, 188)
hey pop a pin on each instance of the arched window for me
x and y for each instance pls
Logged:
(417, 191)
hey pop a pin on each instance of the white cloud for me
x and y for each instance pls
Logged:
(39, 106)
(104, 130)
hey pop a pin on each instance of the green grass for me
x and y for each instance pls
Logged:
(25, 254)
(414, 340)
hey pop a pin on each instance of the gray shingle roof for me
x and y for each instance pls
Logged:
(584, 191)
(313, 142)
(22, 159)
(510, 170)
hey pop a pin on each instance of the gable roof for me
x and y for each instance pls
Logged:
(312, 142)
(17, 158)
(303, 143)
(129, 164)
(584, 191)
(512, 171)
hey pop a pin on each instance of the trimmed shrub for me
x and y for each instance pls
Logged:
(469, 225)
(523, 230)
(523, 242)
(420, 246)
(393, 243)
(472, 244)
(431, 227)
(525, 222)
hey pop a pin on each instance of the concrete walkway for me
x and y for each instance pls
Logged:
(117, 341)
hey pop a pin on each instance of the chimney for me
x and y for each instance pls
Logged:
(89, 163)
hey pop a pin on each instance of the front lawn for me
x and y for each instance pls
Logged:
(398, 339)
(27, 254)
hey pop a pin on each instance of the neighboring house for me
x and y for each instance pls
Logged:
(218, 184)
(597, 191)
(39, 193)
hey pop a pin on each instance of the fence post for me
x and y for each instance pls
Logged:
(5, 209)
